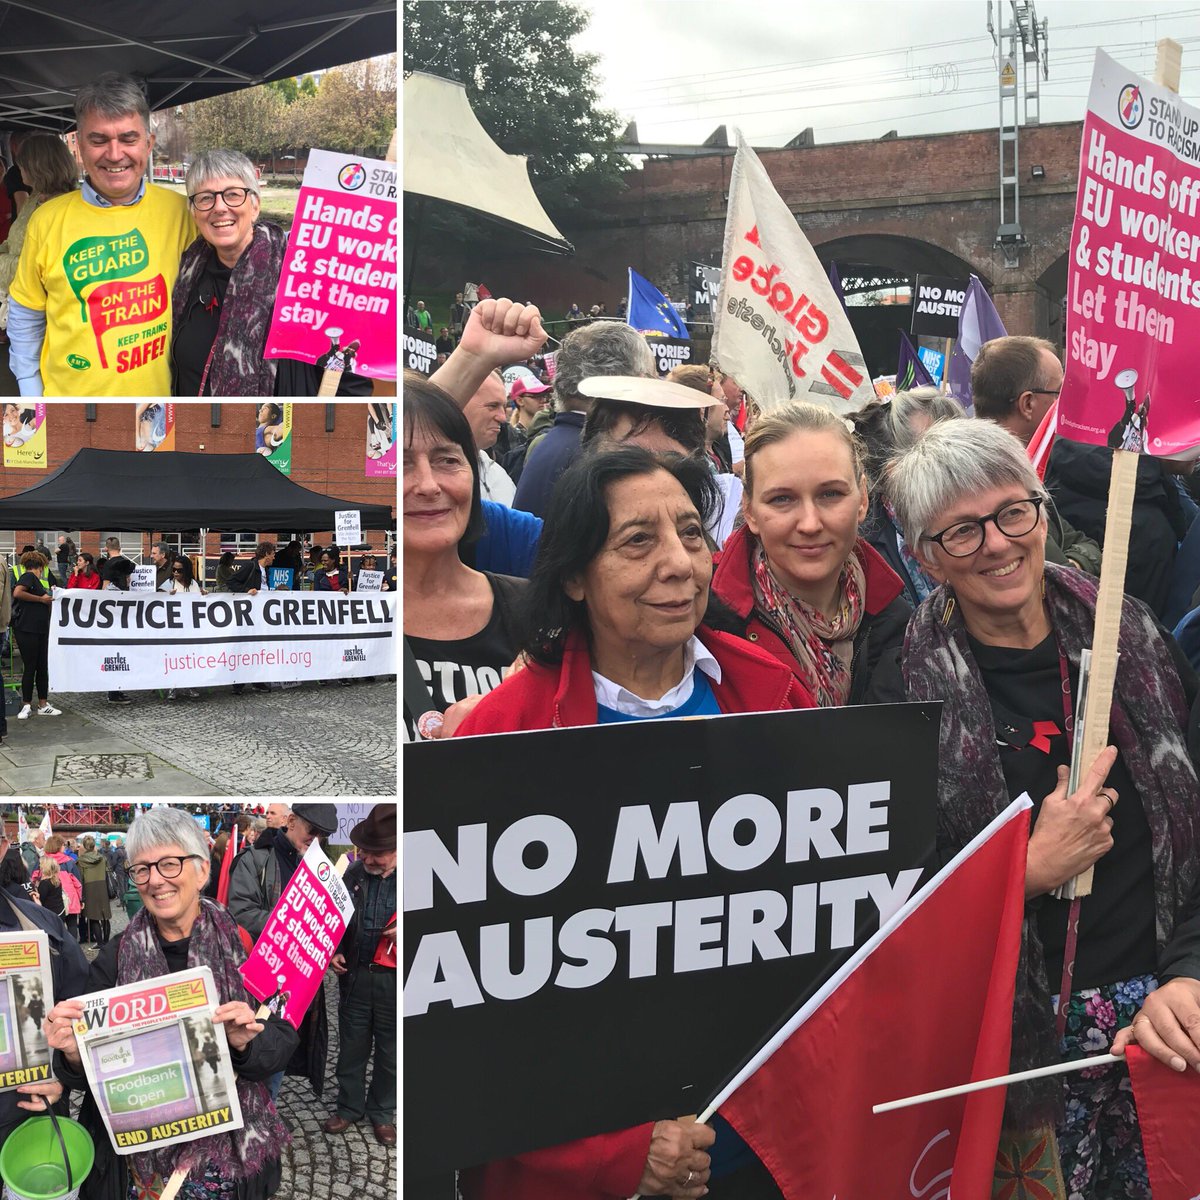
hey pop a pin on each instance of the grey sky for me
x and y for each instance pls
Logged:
(852, 69)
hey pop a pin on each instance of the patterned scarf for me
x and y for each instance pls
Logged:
(819, 643)
(215, 943)
(1149, 714)
(238, 367)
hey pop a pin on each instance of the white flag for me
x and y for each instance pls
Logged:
(780, 330)
(44, 827)
(22, 826)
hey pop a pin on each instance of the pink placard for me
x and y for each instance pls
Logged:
(1133, 284)
(286, 966)
(340, 269)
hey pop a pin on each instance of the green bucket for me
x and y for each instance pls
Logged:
(32, 1164)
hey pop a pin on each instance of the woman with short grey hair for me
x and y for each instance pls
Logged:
(225, 293)
(176, 929)
(999, 642)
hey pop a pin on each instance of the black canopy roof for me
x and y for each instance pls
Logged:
(162, 491)
(183, 52)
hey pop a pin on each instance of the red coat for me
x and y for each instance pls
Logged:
(538, 697)
(562, 696)
(734, 586)
(79, 580)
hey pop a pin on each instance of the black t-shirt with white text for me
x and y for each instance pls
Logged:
(470, 666)
(1116, 922)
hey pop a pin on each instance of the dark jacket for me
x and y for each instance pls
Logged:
(1181, 955)
(549, 457)
(355, 880)
(248, 575)
(256, 881)
(880, 633)
(266, 1054)
(1078, 478)
(93, 869)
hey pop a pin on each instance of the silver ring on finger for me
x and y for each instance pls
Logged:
(688, 1181)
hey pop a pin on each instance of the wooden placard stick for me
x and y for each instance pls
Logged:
(1116, 548)
(174, 1184)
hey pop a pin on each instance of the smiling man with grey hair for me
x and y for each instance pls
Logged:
(90, 307)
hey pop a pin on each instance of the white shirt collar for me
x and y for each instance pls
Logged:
(695, 655)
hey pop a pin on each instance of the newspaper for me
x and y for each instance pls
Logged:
(26, 995)
(157, 1063)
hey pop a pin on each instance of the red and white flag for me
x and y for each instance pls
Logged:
(1042, 442)
(44, 828)
(1167, 1104)
(925, 1004)
(780, 330)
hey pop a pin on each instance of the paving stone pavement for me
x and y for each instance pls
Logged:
(308, 741)
(318, 1165)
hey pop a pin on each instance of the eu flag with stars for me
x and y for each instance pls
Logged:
(650, 311)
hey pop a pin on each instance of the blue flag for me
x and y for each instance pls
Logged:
(910, 371)
(650, 311)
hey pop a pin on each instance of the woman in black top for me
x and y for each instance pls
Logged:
(31, 624)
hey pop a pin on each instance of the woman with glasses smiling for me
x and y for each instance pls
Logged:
(1000, 643)
(225, 292)
(176, 929)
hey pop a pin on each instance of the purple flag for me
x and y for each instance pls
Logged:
(978, 322)
(836, 280)
(910, 371)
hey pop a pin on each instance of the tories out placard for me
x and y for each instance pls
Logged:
(289, 960)
(100, 641)
(339, 283)
(1133, 286)
(157, 1063)
(671, 889)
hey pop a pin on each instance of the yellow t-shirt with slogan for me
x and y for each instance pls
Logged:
(103, 277)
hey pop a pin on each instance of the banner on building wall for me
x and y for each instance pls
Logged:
(154, 426)
(339, 283)
(25, 435)
(381, 441)
(273, 435)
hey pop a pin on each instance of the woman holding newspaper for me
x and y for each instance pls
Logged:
(178, 929)
(1000, 641)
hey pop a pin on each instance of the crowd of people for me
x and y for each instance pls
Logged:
(654, 563)
(215, 263)
(27, 587)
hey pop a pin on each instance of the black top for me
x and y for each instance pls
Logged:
(14, 183)
(198, 329)
(31, 617)
(1116, 922)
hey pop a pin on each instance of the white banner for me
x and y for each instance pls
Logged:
(780, 330)
(117, 641)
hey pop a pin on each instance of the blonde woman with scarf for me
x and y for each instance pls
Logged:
(798, 580)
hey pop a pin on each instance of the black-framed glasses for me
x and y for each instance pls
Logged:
(169, 867)
(1046, 391)
(235, 197)
(1014, 520)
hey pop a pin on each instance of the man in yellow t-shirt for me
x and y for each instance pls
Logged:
(90, 307)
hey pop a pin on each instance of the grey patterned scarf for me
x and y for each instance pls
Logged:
(1149, 716)
(215, 943)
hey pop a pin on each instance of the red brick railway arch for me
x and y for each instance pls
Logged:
(925, 204)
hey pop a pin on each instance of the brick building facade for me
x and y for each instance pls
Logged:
(328, 456)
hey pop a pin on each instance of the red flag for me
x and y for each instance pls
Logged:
(926, 1004)
(231, 850)
(1042, 441)
(1167, 1103)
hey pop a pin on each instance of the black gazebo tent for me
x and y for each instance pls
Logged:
(168, 491)
(182, 52)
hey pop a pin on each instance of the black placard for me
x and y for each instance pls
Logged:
(669, 352)
(612, 1034)
(705, 283)
(420, 352)
(936, 302)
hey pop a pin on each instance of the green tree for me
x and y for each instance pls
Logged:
(286, 87)
(248, 120)
(353, 111)
(530, 90)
